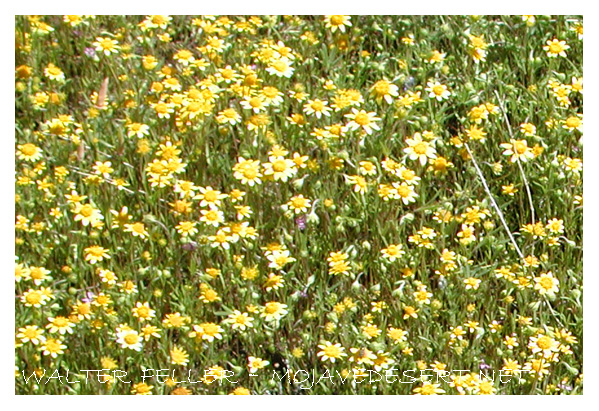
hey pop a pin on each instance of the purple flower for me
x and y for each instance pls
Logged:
(90, 52)
(301, 222)
(483, 365)
(409, 83)
(564, 387)
(190, 246)
(88, 297)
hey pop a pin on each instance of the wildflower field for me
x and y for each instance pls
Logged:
(298, 204)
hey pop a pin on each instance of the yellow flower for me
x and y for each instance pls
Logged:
(106, 45)
(518, 150)
(95, 253)
(273, 311)
(331, 352)
(256, 363)
(137, 229)
(337, 22)
(384, 89)
(437, 90)
(555, 48)
(573, 123)
(54, 73)
(367, 121)
(142, 389)
(186, 228)
(546, 283)
(53, 347)
(29, 152)
(393, 252)
(428, 388)
(298, 204)
(418, 149)
(179, 356)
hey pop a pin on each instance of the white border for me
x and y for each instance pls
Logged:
(591, 222)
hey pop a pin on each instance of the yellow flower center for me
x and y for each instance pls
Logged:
(520, 147)
(177, 99)
(271, 308)
(281, 261)
(440, 164)
(544, 342)
(107, 44)
(185, 55)
(194, 107)
(428, 389)
(485, 387)
(138, 228)
(438, 89)
(102, 299)
(362, 119)
(255, 102)
(230, 113)
(404, 191)
(393, 250)
(220, 237)
(212, 215)
(36, 273)
(528, 128)
(54, 71)
(84, 309)
(546, 283)
(250, 173)
(477, 42)
(34, 298)
(215, 43)
(556, 47)
(337, 20)
(52, 345)
(210, 295)
(241, 319)
(421, 148)
(158, 20)
(210, 196)
(317, 105)
(537, 365)
(227, 74)
(30, 333)
(210, 329)
(260, 120)
(332, 351)
(279, 166)
(28, 149)
(280, 66)
(270, 92)
(186, 226)
(382, 88)
(573, 122)
(131, 338)
(298, 202)
(60, 322)
(86, 210)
